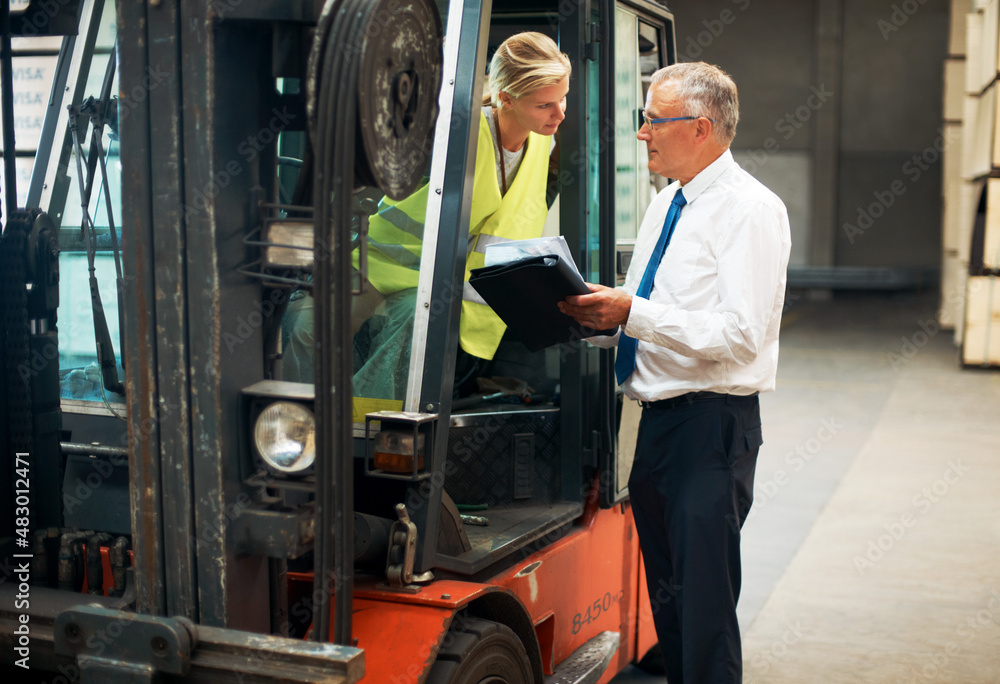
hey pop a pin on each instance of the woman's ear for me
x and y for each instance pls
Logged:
(505, 100)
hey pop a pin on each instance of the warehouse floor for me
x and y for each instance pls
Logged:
(872, 552)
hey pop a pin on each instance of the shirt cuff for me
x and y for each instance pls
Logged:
(640, 317)
(604, 341)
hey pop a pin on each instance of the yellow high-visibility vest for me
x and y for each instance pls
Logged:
(395, 233)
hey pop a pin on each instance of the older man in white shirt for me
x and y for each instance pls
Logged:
(699, 315)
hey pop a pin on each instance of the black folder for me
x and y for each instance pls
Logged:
(524, 294)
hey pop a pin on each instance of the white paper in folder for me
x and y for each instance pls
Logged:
(515, 250)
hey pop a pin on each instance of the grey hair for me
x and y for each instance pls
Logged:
(704, 90)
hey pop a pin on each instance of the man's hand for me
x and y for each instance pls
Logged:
(604, 308)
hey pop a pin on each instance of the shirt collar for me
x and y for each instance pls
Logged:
(707, 176)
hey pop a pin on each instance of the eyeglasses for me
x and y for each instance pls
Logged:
(645, 119)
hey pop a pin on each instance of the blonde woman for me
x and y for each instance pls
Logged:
(524, 104)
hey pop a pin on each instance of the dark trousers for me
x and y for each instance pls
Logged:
(691, 489)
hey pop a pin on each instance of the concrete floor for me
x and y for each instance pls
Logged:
(872, 552)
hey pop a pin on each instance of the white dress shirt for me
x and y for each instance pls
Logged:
(711, 322)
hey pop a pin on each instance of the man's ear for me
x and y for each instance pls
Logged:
(704, 131)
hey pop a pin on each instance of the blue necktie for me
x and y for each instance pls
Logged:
(625, 361)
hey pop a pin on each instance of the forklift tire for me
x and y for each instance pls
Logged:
(477, 651)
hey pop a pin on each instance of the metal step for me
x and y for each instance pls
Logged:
(587, 663)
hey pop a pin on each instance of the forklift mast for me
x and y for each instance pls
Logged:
(186, 436)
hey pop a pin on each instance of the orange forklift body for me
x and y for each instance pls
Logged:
(563, 587)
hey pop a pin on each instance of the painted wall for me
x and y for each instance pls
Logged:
(841, 110)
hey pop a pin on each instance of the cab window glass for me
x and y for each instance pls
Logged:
(637, 55)
(384, 298)
(639, 52)
(77, 182)
(514, 376)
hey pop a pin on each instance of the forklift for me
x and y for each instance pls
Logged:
(177, 504)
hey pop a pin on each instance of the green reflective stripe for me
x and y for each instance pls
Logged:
(400, 219)
(398, 253)
(395, 243)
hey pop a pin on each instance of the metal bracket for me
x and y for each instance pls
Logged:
(402, 552)
(113, 646)
(277, 534)
(117, 647)
(591, 49)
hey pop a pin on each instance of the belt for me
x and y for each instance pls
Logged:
(691, 398)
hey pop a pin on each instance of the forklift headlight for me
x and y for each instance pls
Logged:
(285, 436)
